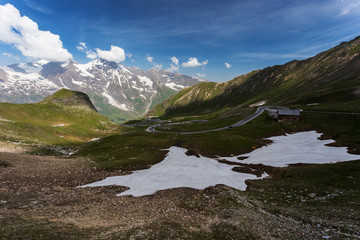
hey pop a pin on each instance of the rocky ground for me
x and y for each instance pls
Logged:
(39, 199)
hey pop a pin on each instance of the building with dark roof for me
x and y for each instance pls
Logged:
(288, 114)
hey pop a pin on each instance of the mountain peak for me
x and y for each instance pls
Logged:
(66, 97)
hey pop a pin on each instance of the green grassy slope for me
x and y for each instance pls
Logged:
(65, 117)
(140, 149)
(329, 78)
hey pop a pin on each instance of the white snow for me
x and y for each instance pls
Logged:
(42, 62)
(27, 79)
(146, 81)
(93, 139)
(257, 104)
(302, 147)
(31, 68)
(113, 102)
(174, 86)
(63, 83)
(83, 69)
(178, 170)
(58, 125)
(81, 84)
(125, 70)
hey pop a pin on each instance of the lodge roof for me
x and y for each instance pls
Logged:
(289, 112)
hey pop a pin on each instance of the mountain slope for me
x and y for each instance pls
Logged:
(332, 77)
(117, 91)
(66, 117)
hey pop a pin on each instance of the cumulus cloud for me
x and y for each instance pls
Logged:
(201, 75)
(89, 53)
(116, 54)
(227, 65)
(129, 55)
(158, 66)
(82, 46)
(193, 62)
(174, 66)
(175, 60)
(149, 59)
(24, 34)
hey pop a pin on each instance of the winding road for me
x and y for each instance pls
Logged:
(258, 112)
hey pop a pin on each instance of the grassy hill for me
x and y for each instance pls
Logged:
(330, 79)
(66, 117)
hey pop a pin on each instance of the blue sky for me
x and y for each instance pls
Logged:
(246, 34)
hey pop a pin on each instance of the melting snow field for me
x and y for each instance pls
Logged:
(302, 147)
(179, 170)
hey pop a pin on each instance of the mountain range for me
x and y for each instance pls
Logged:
(117, 91)
(331, 79)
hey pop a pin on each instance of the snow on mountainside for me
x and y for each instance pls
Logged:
(117, 91)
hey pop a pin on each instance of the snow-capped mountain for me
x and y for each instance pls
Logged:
(119, 92)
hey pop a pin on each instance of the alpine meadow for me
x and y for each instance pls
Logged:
(179, 119)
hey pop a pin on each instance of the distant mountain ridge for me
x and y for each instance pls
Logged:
(117, 91)
(332, 76)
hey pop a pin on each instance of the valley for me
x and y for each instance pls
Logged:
(207, 131)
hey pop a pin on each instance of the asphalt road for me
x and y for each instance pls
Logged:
(258, 112)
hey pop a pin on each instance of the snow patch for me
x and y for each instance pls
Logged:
(113, 102)
(174, 86)
(63, 83)
(58, 125)
(81, 84)
(258, 104)
(24, 79)
(146, 81)
(83, 69)
(302, 147)
(93, 139)
(178, 170)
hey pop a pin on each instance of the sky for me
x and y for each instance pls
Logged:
(211, 39)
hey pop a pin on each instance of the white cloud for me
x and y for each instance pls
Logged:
(158, 66)
(174, 66)
(81, 47)
(24, 34)
(91, 55)
(349, 6)
(201, 75)
(129, 55)
(227, 65)
(345, 11)
(37, 7)
(116, 54)
(193, 62)
(175, 60)
(150, 59)
(9, 55)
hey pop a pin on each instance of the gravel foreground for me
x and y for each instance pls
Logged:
(39, 200)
